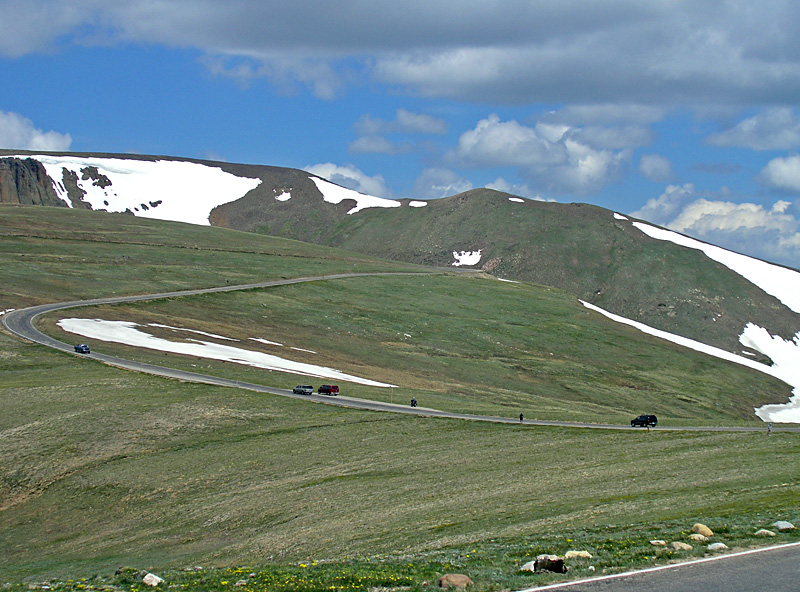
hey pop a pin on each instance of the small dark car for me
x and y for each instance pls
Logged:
(82, 348)
(303, 389)
(645, 421)
(328, 389)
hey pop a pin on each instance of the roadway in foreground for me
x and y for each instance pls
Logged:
(21, 323)
(771, 569)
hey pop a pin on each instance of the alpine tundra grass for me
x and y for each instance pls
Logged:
(105, 469)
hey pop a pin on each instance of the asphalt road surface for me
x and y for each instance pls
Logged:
(21, 323)
(772, 569)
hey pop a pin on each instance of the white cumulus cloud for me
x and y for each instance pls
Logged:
(782, 173)
(774, 129)
(554, 156)
(351, 177)
(771, 233)
(19, 132)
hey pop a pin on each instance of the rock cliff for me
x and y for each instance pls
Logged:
(25, 181)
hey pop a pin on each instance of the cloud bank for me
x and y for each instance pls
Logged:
(470, 50)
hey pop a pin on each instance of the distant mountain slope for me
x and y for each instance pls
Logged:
(601, 257)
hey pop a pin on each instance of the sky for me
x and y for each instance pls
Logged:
(685, 114)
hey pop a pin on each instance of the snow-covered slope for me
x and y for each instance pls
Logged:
(174, 190)
(780, 282)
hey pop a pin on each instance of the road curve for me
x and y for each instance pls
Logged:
(21, 323)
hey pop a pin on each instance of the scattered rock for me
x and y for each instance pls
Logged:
(530, 566)
(717, 547)
(765, 533)
(241, 583)
(455, 581)
(591, 568)
(699, 538)
(702, 529)
(658, 543)
(578, 555)
(679, 546)
(783, 525)
(552, 563)
(151, 580)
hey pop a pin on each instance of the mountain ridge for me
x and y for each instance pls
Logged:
(600, 256)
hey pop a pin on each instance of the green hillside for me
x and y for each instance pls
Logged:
(105, 468)
(579, 248)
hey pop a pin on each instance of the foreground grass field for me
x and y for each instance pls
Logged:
(104, 468)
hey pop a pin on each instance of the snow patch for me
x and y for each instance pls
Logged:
(335, 194)
(466, 258)
(266, 341)
(777, 281)
(784, 355)
(619, 216)
(285, 196)
(164, 189)
(516, 199)
(129, 333)
(176, 329)
(418, 204)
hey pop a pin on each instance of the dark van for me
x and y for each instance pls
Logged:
(328, 389)
(644, 421)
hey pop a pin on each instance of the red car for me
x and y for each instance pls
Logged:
(328, 389)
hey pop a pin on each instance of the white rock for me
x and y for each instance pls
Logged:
(578, 554)
(783, 525)
(765, 533)
(658, 543)
(717, 547)
(679, 546)
(530, 566)
(151, 580)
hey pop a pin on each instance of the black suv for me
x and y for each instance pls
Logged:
(645, 421)
(82, 348)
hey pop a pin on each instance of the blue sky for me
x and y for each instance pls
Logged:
(686, 114)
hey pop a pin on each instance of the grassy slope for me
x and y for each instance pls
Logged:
(576, 247)
(103, 468)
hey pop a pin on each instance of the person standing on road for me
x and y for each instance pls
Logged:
(520, 417)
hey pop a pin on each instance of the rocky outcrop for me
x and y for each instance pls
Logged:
(25, 181)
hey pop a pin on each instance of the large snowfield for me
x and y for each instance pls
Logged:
(163, 190)
(134, 334)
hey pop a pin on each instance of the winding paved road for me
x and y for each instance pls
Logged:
(21, 323)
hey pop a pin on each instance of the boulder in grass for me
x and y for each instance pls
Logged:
(552, 563)
(702, 529)
(658, 543)
(699, 538)
(680, 546)
(577, 555)
(455, 581)
(784, 525)
(530, 566)
(765, 533)
(151, 580)
(717, 547)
